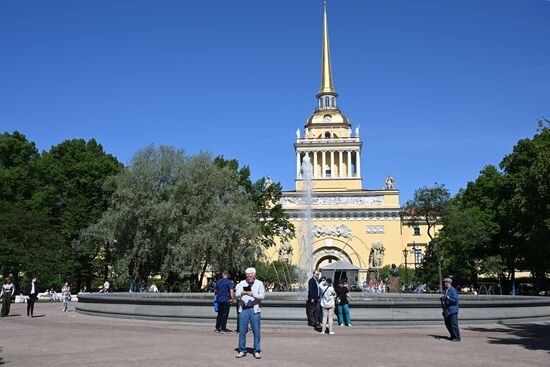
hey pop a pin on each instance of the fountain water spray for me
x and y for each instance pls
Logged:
(306, 228)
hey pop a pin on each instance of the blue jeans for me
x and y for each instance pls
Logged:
(246, 316)
(343, 310)
(65, 304)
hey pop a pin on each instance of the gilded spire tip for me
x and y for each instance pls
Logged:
(326, 76)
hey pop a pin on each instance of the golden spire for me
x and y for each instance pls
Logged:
(326, 77)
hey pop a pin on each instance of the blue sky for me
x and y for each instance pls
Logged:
(440, 88)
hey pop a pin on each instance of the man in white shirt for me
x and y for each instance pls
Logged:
(250, 293)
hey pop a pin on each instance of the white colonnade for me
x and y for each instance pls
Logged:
(328, 161)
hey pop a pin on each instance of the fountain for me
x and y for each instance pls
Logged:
(307, 242)
(279, 308)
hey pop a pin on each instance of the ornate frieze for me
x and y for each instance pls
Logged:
(335, 231)
(333, 200)
(327, 214)
(374, 229)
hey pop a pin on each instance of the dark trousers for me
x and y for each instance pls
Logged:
(238, 316)
(312, 312)
(30, 304)
(223, 314)
(6, 304)
(451, 322)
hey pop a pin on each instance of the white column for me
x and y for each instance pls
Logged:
(314, 164)
(341, 164)
(324, 162)
(358, 160)
(349, 164)
(298, 164)
(332, 163)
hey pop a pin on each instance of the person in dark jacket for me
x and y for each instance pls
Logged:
(224, 297)
(312, 305)
(450, 309)
(32, 295)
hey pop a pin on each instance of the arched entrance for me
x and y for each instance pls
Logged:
(326, 260)
(327, 255)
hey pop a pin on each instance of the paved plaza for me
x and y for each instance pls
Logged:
(54, 338)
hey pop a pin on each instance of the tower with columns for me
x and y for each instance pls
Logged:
(333, 149)
(360, 228)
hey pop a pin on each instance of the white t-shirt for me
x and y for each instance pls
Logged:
(7, 288)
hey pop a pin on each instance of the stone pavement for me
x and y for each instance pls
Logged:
(58, 339)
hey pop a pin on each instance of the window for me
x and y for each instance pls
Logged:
(416, 230)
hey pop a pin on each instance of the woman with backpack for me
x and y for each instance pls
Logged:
(328, 296)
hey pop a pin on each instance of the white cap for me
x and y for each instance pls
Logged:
(250, 270)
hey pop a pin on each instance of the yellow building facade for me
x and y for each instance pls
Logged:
(348, 223)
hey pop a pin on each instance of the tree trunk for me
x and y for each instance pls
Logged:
(440, 273)
(201, 277)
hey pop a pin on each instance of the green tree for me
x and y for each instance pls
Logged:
(528, 170)
(180, 216)
(218, 222)
(136, 224)
(73, 195)
(27, 243)
(465, 235)
(428, 205)
(270, 216)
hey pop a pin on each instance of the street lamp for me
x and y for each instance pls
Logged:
(405, 254)
(74, 242)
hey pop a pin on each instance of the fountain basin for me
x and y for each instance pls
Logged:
(289, 308)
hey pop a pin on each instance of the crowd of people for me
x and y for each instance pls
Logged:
(324, 300)
(374, 286)
(32, 292)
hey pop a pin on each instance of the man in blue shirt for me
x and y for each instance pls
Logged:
(224, 296)
(450, 309)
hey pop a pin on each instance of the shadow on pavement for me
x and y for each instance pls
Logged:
(1, 359)
(530, 336)
(440, 337)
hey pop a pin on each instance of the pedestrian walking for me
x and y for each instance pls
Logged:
(32, 295)
(224, 297)
(8, 289)
(312, 305)
(328, 296)
(449, 302)
(342, 293)
(66, 296)
(250, 293)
